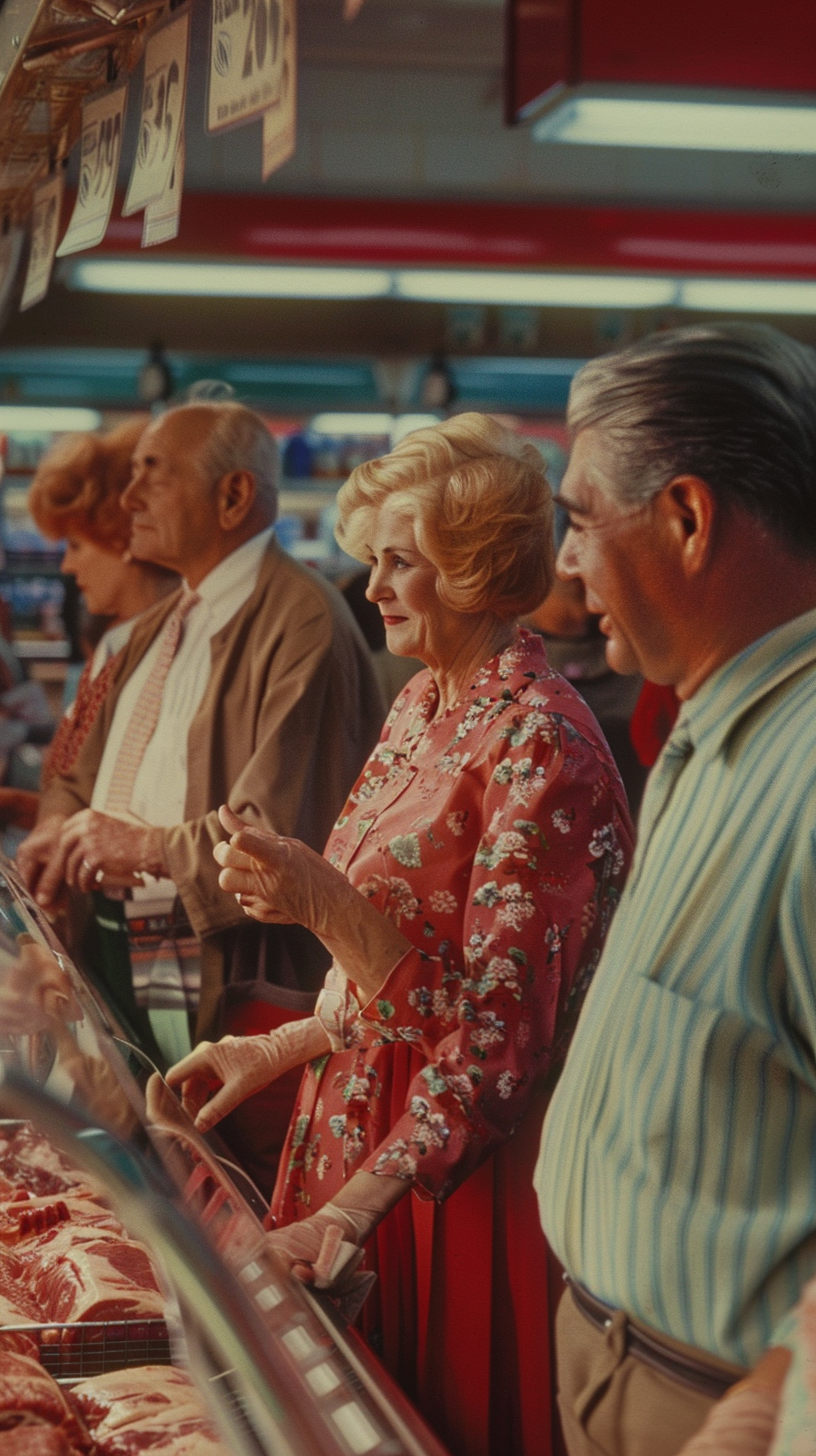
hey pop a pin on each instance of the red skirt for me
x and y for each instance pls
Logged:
(462, 1312)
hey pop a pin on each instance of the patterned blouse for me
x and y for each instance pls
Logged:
(497, 838)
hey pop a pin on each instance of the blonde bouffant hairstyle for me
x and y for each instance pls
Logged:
(482, 511)
(78, 487)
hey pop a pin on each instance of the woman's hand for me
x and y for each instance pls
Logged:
(217, 1076)
(278, 880)
(284, 882)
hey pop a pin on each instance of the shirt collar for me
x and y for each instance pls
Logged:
(243, 563)
(723, 700)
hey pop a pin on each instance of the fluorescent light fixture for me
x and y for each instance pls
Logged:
(406, 424)
(557, 290)
(439, 285)
(750, 295)
(331, 423)
(34, 419)
(715, 126)
(227, 280)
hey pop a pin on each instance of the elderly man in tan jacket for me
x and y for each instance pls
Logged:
(251, 686)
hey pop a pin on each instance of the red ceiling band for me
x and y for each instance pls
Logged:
(488, 235)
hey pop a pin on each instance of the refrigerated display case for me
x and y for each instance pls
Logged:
(278, 1367)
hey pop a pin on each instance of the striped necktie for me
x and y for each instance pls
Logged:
(660, 786)
(146, 710)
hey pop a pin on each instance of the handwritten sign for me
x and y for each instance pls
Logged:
(161, 219)
(246, 60)
(165, 86)
(45, 218)
(101, 142)
(11, 252)
(279, 130)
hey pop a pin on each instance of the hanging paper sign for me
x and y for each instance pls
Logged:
(45, 218)
(161, 219)
(101, 142)
(279, 133)
(165, 86)
(11, 249)
(246, 60)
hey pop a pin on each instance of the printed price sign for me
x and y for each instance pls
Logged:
(102, 122)
(246, 60)
(165, 86)
(279, 133)
(45, 217)
(161, 219)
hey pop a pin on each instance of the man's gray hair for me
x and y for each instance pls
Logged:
(238, 439)
(734, 404)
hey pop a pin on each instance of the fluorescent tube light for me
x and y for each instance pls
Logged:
(406, 424)
(227, 280)
(718, 126)
(443, 285)
(750, 295)
(333, 423)
(558, 290)
(34, 419)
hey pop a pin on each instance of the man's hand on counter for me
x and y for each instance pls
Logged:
(92, 851)
(37, 851)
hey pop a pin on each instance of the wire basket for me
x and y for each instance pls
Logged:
(77, 1351)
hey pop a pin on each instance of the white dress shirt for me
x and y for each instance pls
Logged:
(160, 790)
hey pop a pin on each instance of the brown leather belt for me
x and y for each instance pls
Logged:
(695, 1373)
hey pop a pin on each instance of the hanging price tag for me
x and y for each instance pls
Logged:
(165, 86)
(102, 122)
(161, 219)
(246, 60)
(11, 251)
(45, 217)
(279, 130)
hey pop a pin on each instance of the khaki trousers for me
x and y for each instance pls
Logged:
(611, 1403)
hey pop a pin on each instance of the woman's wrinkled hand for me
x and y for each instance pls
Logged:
(278, 880)
(219, 1075)
(318, 1250)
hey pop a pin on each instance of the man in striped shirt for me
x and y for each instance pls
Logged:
(677, 1174)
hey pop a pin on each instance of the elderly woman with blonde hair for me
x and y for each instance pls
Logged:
(464, 896)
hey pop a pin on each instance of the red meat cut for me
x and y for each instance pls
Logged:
(153, 1408)
(26, 1216)
(77, 1273)
(35, 1439)
(28, 1160)
(29, 1397)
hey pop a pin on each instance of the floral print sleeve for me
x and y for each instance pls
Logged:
(500, 852)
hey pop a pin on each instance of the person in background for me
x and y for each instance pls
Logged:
(464, 895)
(683, 1126)
(250, 685)
(76, 496)
(576, 647)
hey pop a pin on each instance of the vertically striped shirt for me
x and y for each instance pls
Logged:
(677, 1174)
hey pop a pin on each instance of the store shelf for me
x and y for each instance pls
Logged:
(305, 502)
(40, 649)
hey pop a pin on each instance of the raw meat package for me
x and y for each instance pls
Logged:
(153, 1408)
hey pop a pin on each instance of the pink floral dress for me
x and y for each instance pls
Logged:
(497, 838)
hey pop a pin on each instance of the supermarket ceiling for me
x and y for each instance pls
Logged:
(407, 105)
(408, 100)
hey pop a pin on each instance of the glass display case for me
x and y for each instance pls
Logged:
(188, 1283)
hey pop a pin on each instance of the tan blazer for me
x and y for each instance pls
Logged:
(290, 714)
